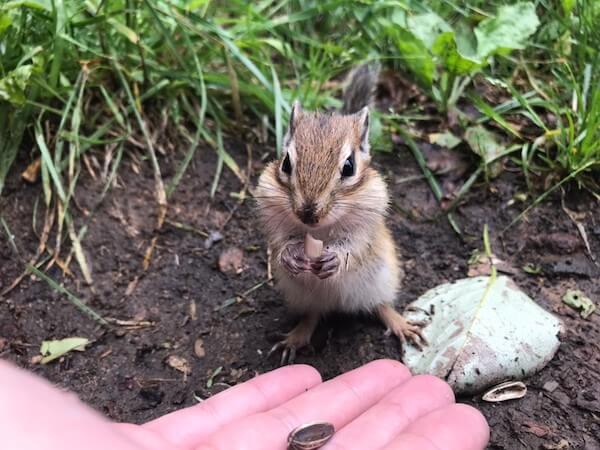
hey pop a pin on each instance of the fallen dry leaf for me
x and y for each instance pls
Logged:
(179, 363)
(550, 386)
(560, 445)
(199, 348)
(480, 264)
(539, 429)
(446, 162)
(131, 286)
(193, 310)
(32, 172)
(230, 260)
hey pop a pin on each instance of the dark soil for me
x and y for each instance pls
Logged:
(184, 297)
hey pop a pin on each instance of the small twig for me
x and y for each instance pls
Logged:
(183, 226)
(580, 228)
(243, 193)
(231, 300)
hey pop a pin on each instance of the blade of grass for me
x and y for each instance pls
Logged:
(184, 164)
(278, 112)
(76, 301)
(491, 113)
(161, 196)
(543, 196)
(433, 184)
(48, 163)
(220, 152)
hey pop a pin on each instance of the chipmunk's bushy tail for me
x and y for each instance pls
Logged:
(360, 87)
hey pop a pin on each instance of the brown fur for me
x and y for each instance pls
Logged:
(318, 139)
(351, 221)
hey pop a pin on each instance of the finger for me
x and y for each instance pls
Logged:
(454, 427)
(337, 401)
(379, 425)
(189, 426)
(34, 415)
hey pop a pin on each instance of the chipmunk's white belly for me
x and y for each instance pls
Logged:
(347, 291)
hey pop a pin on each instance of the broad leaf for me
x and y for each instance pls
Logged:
(445, 47)
(415, 56)
(51, 350)
(487, 145)
(13, 85)
(5, 22)
(445, 139)
(482, 331)
(427, 27)
(509, 29)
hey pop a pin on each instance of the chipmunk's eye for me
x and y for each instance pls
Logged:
(286, 167)
(348, 169)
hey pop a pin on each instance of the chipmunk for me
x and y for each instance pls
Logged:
(324, 185)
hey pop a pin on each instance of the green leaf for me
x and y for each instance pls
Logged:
(124, 30)
(578, 300)
(445, 139)
(568, 5)
(446, 49)
(484, 142)
(508, 30)
(51, 350)
(416, 56)
(5, 22)
(42, 5)
(427, 27)
(14, 84)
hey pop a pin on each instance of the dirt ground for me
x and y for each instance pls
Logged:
(183, 301)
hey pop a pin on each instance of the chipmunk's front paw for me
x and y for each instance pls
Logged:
(294, 259)
(325, 265)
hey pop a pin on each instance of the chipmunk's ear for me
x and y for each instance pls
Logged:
(362, 118)
(295, 115)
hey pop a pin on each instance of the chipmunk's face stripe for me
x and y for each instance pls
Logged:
(325, 157)
(358, 183)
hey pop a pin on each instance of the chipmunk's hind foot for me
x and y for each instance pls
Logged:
(296, 339)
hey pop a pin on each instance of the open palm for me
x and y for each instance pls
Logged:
(377, 406)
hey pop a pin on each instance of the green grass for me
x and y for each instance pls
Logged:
(83, 76)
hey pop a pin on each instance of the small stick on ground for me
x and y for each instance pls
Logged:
(573, 216)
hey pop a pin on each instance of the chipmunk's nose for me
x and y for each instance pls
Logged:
(307, 214)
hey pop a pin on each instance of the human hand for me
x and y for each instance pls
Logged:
(377, 406)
